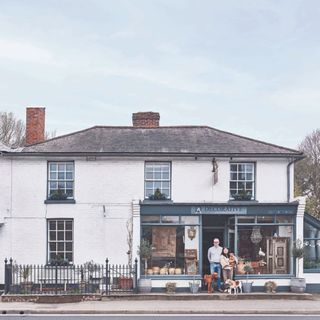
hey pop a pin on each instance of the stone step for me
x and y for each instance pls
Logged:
(213, 296)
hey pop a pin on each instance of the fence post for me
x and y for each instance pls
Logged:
(136, 275)
(107, 276)
(56, 280)
(6, 285)
(7, 275)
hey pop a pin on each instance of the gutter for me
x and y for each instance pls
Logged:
(151, 154)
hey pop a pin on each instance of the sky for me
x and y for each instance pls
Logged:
(251, 67)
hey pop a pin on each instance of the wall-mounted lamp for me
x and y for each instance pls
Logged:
(192, 231)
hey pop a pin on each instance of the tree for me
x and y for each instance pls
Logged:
(307, 173)
(12, 130)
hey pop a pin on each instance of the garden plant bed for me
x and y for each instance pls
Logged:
(60, 298)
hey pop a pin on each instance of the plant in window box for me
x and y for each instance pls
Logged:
(298, 284)
(247, 285)
(158, 195)
(145, 253)
(58, 261)
(58, 195)
(243, 195)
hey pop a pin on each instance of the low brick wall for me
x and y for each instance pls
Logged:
(50, 298)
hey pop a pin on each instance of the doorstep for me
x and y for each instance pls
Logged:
(213, 296)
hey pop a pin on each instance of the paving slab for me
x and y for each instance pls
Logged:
(123, 306)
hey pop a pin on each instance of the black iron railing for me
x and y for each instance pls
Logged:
(63, 278)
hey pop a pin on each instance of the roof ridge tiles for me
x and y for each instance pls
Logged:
(208, 140)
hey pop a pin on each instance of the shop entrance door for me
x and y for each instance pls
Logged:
(208, 234)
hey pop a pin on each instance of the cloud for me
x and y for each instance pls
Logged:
(22, 51)
(300, 100)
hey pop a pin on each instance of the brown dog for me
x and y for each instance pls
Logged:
(208, 279)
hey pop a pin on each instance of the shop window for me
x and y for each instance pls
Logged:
(175, 250)
(283, 219)
(265, 247)
(265, 219)
(150, 219)
(170, 219)
(246, 219)
(312, 248)
(189, 220)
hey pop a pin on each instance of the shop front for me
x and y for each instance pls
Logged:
(181, 234)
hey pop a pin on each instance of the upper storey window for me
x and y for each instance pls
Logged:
(157, 184)
(60, 180)
(242, 181)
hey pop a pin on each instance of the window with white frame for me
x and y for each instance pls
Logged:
(60, 180)
(157, 180)
(60, 239)
(242, 181)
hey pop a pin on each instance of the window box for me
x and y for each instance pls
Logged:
(66, 201)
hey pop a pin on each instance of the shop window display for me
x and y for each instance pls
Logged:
(311, 247)
(266, 247)
(175, 248)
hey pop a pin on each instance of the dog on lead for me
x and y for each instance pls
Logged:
(233, 285)
(208, 279)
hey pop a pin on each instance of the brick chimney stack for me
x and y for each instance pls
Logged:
(35, 121)
(146, 119)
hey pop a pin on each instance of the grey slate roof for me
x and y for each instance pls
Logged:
(161, 140)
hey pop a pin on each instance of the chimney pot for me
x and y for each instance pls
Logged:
(146, 119)
(35, 123)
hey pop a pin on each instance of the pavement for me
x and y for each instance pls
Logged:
(278, 305)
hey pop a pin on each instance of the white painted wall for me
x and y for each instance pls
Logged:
(271, 181)
(104, 192)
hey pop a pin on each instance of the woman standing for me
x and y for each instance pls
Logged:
(225, 265)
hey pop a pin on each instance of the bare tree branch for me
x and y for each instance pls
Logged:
(307, 172)
(12, 130)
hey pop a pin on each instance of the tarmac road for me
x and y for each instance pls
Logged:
(162, 317)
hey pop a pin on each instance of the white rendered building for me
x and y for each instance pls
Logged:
(95, 193)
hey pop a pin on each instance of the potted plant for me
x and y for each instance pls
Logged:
(243, 195)
(92, 271)
(270, 287)
(194, 286)
(247, 286)
(297, 284)
(158, 195)
(25, 273)
(58, 195)
(171, 287)
(145, 253)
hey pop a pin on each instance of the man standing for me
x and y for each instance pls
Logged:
(214, 254)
